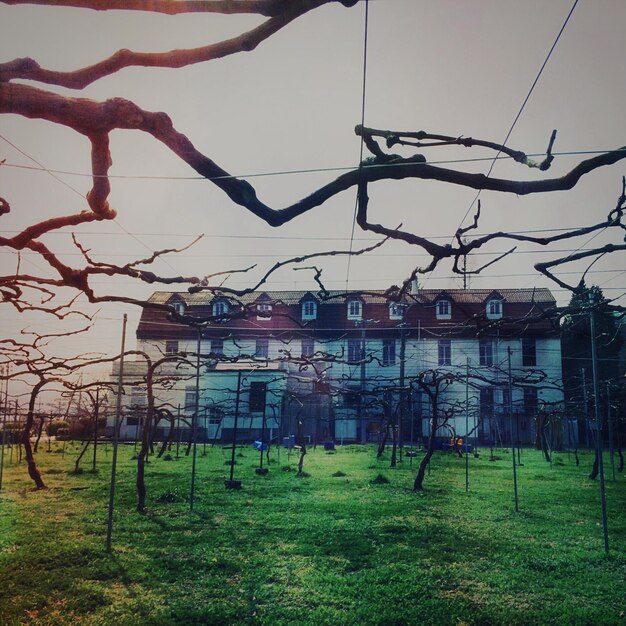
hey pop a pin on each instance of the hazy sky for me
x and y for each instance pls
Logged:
(454, 67)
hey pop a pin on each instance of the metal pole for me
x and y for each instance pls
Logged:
(263, 429)
(95, 428)
(582, 369)
(361, 395)
(116, 427)
(4, 421)
(467, 361)
(596, 407)
(511, 420)
(609, 422)
(193, 421)
(178, 429)
(402, 392)
(232, 458)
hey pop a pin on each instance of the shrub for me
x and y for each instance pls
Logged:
(379, 480)
(53, 427)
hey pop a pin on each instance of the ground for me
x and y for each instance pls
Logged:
(339, 545)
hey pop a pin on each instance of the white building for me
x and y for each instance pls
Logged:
(338, 364)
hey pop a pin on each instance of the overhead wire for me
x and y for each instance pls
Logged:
(362, 142)
(314, 170)
(526, 99)
(80, 195)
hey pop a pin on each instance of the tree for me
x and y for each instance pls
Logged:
(576, 351)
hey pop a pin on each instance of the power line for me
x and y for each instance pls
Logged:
(295, 237)
(361, 145)
(519, 113)
(316, 170)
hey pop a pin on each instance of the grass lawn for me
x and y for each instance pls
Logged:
(331, 547)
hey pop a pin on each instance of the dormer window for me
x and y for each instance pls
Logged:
(220, 308)
(395, 310)
(444, 310)
(494, 309)
(263, 311)
(309, 310)
(355, 310)
(179, 307)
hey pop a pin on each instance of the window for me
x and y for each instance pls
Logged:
(389, 352)
(215, 415)
(138, 397)
(530, 401)
(445, 352)
(355, 310)
(309, 310)
(217, 346)
(262, 348)
(179, 307)
(494, 309)
(529, 352)
(443, 310)
(354, 350)
(258, 392)
(220, 308)
(308, 347)
(171, 347)
(263, 311)
(351, 397)
(395, 311)
(190, 399)
(506, 394)
(486, 401)
(485, 352)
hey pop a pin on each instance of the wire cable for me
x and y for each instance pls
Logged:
(362, 142)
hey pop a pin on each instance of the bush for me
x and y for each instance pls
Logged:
(63, 434)
(53, 427)
(12, 433)
(380, 480)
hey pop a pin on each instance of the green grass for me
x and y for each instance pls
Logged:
(336, 546)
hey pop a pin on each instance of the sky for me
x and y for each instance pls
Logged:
(283, 117)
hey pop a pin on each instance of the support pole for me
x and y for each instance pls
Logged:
(596, 408)
(95, 428)
(511, 421)
(194, 421)
(116, 429)
(609, 422)
(467, 362)
(5, 404)
(231, 483)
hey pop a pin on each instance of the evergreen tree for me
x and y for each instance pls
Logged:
(576, 353)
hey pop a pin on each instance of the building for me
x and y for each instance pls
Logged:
(336, 365)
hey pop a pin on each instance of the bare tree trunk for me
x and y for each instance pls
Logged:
(421, 472)
(170, 437)
(545, 447)
(301, 459)
(383, 440)
(594, 470)
(302, 446)
(39, 431)
(80, 456)
(33, 472)
(394, 445)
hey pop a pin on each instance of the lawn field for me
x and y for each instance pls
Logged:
(335, 546)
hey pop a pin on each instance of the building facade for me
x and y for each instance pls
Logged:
(343, 366)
